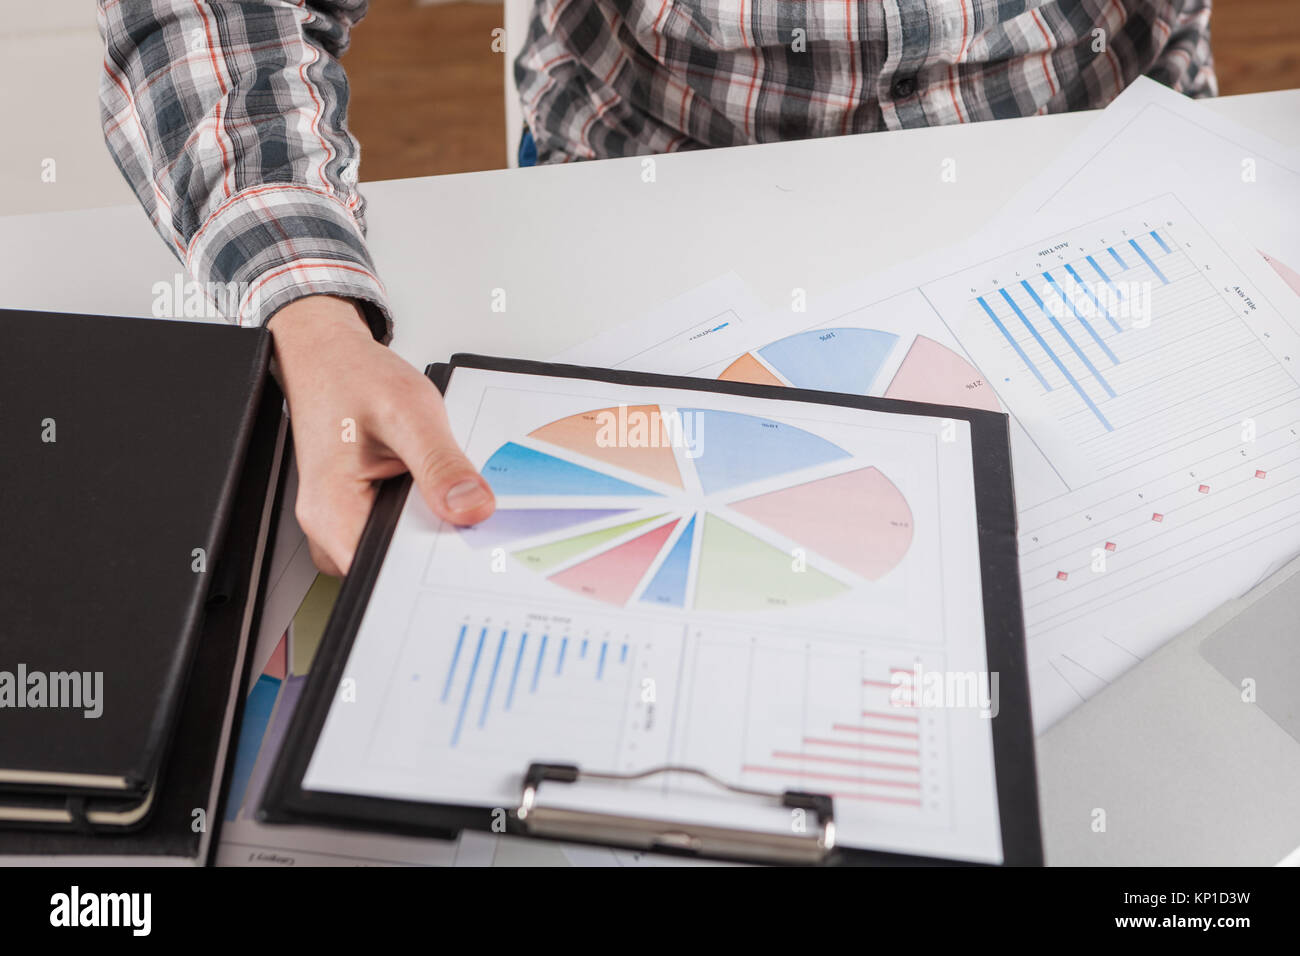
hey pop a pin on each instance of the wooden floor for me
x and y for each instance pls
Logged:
(1256, 45)
(428, 91)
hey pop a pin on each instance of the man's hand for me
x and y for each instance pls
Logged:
(360, 413)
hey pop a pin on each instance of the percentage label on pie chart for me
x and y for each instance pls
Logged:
(691, 508)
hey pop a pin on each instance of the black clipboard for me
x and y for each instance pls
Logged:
(286, 801)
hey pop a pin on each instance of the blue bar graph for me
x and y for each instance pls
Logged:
(1147, 259)
(1079, 315)
(1095, 301)
(1087, 363)
(514, 676)
(469, 687)
(1091, 331)
(1113, 288)
(492, 681)
(489, 667)
(460, 642)
(1014, 344)
(537, 671)
(1060, 366)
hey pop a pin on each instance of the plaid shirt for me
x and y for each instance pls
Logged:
(229, 118)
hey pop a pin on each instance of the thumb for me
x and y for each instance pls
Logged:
(421, 436)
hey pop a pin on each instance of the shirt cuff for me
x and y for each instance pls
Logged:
(268, 245)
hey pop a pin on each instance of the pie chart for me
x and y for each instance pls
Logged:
(851, 360)
(689, 508)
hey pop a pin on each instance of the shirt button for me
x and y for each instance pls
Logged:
(903, 87)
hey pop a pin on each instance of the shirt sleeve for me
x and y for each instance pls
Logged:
(228, 119)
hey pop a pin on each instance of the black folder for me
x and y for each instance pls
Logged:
(142, 458)
(288, 800)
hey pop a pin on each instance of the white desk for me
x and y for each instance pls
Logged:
(579, 247)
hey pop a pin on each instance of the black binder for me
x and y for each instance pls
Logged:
(287, 801)
(142, 461)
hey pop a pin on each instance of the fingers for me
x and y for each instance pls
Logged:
(332, 511)
(421, 436)
(404, 425)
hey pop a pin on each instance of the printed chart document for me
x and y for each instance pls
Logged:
(1145, 347)
(1241, 188)
(1168, 410)
(750, 586)
(1152, 140)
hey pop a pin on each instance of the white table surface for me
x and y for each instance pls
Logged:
(579, 247)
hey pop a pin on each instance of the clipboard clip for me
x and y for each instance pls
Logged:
(759, 846)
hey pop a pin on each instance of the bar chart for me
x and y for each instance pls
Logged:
(1119, 340)
(496, 672)
(509, 683)
(821, 717)
(1081, 310)
(1172, 447)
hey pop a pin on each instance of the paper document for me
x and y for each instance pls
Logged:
(1146, 349)
(1150, 366)
(1151, 140)
(678, 577)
